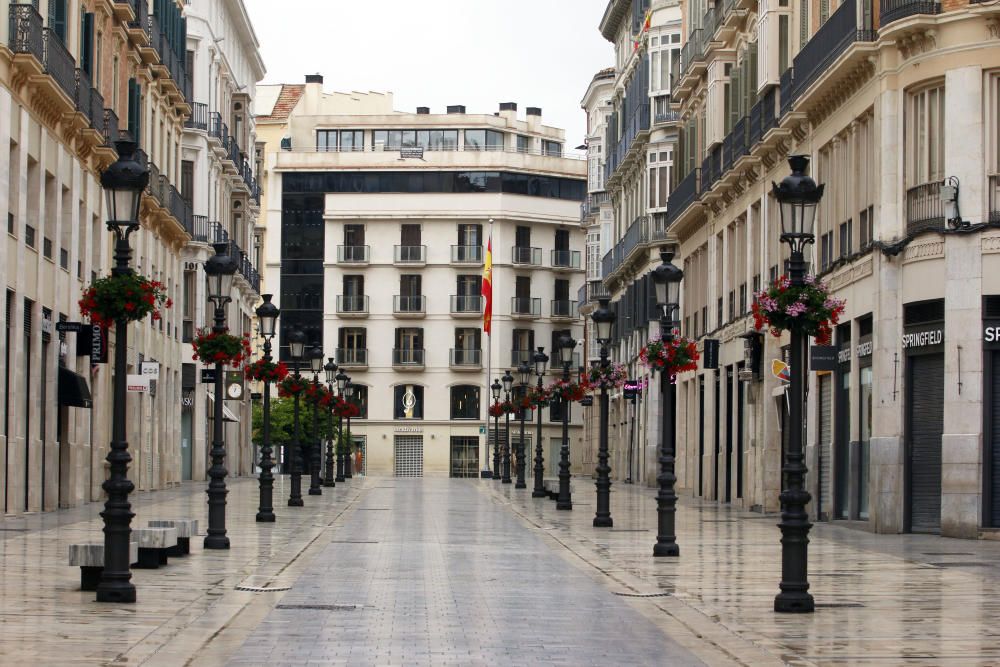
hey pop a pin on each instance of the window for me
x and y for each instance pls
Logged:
(826, 251)
(846, 241)
(29, 236)
(354, 235)
(429, 140)
(135, 110)
(783, 43)
(11, 226)
(57, 18)
(470, 235)
(465, 402)
(552, 148)
(660, 165)
(522, 346)
(925, 136)
(408, 401)
(664, 62)
(340, 140)
(523, 143)
(483, 140)
(360, 399)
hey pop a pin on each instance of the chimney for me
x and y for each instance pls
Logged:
(456, 108)
(312, 99)
(423, 111)
(534, 117)
(314, 78)
(508, 111)
(534, 111)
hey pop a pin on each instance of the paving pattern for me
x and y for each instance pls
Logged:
(433, 572)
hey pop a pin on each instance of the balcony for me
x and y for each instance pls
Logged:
(924, 209)
(662, 112)
(353, 254)
(407, 359)
(58, 62)
(993, 187)
(352, 305)
(467, 254)
(518, 357)
(179, 207)
(198, 120)
(25, 33)
(894, 10)
(683, 195)
(352, 357)
(216, 128)
(525, 256)
(410, 255)
(566, 259)
(110, 127)
(467, 359)
(200, 228)
(468, 306)
(522, 308)
(409, 305)
(564, 309)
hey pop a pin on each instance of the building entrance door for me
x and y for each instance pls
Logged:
(409, 455)
(924, 428)
(464, 456)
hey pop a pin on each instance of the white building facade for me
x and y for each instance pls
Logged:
(382, 222)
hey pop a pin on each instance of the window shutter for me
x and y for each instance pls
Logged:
(57, 18)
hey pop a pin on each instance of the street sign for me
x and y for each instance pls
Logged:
(69, 327)
(710, 357)
(137, 383)
(823, 357)
(207, 375)
(482, 430)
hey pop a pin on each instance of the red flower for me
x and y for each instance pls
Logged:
(129, 306)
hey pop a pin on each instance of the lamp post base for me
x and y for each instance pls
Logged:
(216, 542)
(315, 492)
(603, 522)
(329, 482)
(668, 549)
(123, 594)
(539, 494)
(265, 517)
(520, 485)
(295, 502)
(564, 505)
(794, 602)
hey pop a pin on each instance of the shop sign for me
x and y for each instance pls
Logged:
(587, 401)
(924, 338)
(631, 389)
(208, 376)
(825, 357)
(991, 334)
(150, 369)
(864, 349)
(844, 355)
(408, 429)
(781, 370)
(710, 355)
(137, 383)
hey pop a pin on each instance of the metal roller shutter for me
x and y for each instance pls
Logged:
(409, 457)
(823, 502)
(995, 443)
(925, 427)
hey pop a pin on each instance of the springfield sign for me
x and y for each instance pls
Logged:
(923, 338)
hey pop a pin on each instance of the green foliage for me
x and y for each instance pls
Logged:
(283, 421)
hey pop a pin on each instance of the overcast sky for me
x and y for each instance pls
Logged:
(438, 52)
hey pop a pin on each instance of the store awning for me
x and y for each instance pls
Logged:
(227, 414)
(73, 389)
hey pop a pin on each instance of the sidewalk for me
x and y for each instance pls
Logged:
(881, 599)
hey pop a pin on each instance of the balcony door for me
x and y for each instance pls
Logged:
(470, 236)
(354, 235)
(522, 288)
(354, 286)
(562, 240)
(409, 235)
(522, 237)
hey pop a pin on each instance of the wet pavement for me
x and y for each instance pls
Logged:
(384, 571)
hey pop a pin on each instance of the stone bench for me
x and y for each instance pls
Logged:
(551, 486)
(186, 529)
(90, 559)
(153, 545)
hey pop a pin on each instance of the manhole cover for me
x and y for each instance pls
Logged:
(947, 553)
(352, 542)
(838, 605)
(321, 607)
(643, 595)
(263, 589)
(959, 563)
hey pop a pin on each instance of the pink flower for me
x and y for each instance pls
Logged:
(796, 309)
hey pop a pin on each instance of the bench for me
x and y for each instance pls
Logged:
(90, 559)
(153, 545)
(551, 486)
(186, 529)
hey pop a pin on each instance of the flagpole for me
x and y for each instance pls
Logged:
(489, 356)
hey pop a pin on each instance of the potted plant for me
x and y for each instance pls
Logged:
(213, 347)
(266, 371)
(809, 306)
(677, 356)
(129, 297)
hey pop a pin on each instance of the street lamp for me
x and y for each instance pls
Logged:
(296, 350)
(667, 284)
(604, 319)
(524, 381)
(220, 269)
(267, 317)
(508, 385)
(316, 366)
(541, 360)
(342, 457)
(798, 197)
(564, 500)
(331, 378)
(496, 388)
(123, 183)
(348, 391)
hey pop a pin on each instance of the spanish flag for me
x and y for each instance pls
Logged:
(488, 287)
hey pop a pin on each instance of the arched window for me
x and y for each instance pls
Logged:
(465, 402)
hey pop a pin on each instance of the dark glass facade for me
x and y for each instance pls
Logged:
(434, 182)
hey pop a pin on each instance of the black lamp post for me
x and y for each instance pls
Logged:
(331, 377)
(220, 269)
(315, 446)
(123, 183)
(524, 381)
(348, 392)
(564, 500)
(496, 388)
(508, 385)
(296, 350)
(798, 197)
(667, 282)
(604, 319)
(541, 360)
(267, 316)
(342, 456)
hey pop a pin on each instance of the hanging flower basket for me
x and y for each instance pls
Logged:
(266, 371)
(292, 386)
(611, 377)
(677, 356)
(535, 398)
(345, 409)
(809, 306)
(501, 409)
(221, 348)
(128, 297)
(567, 391)
(318, 395)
